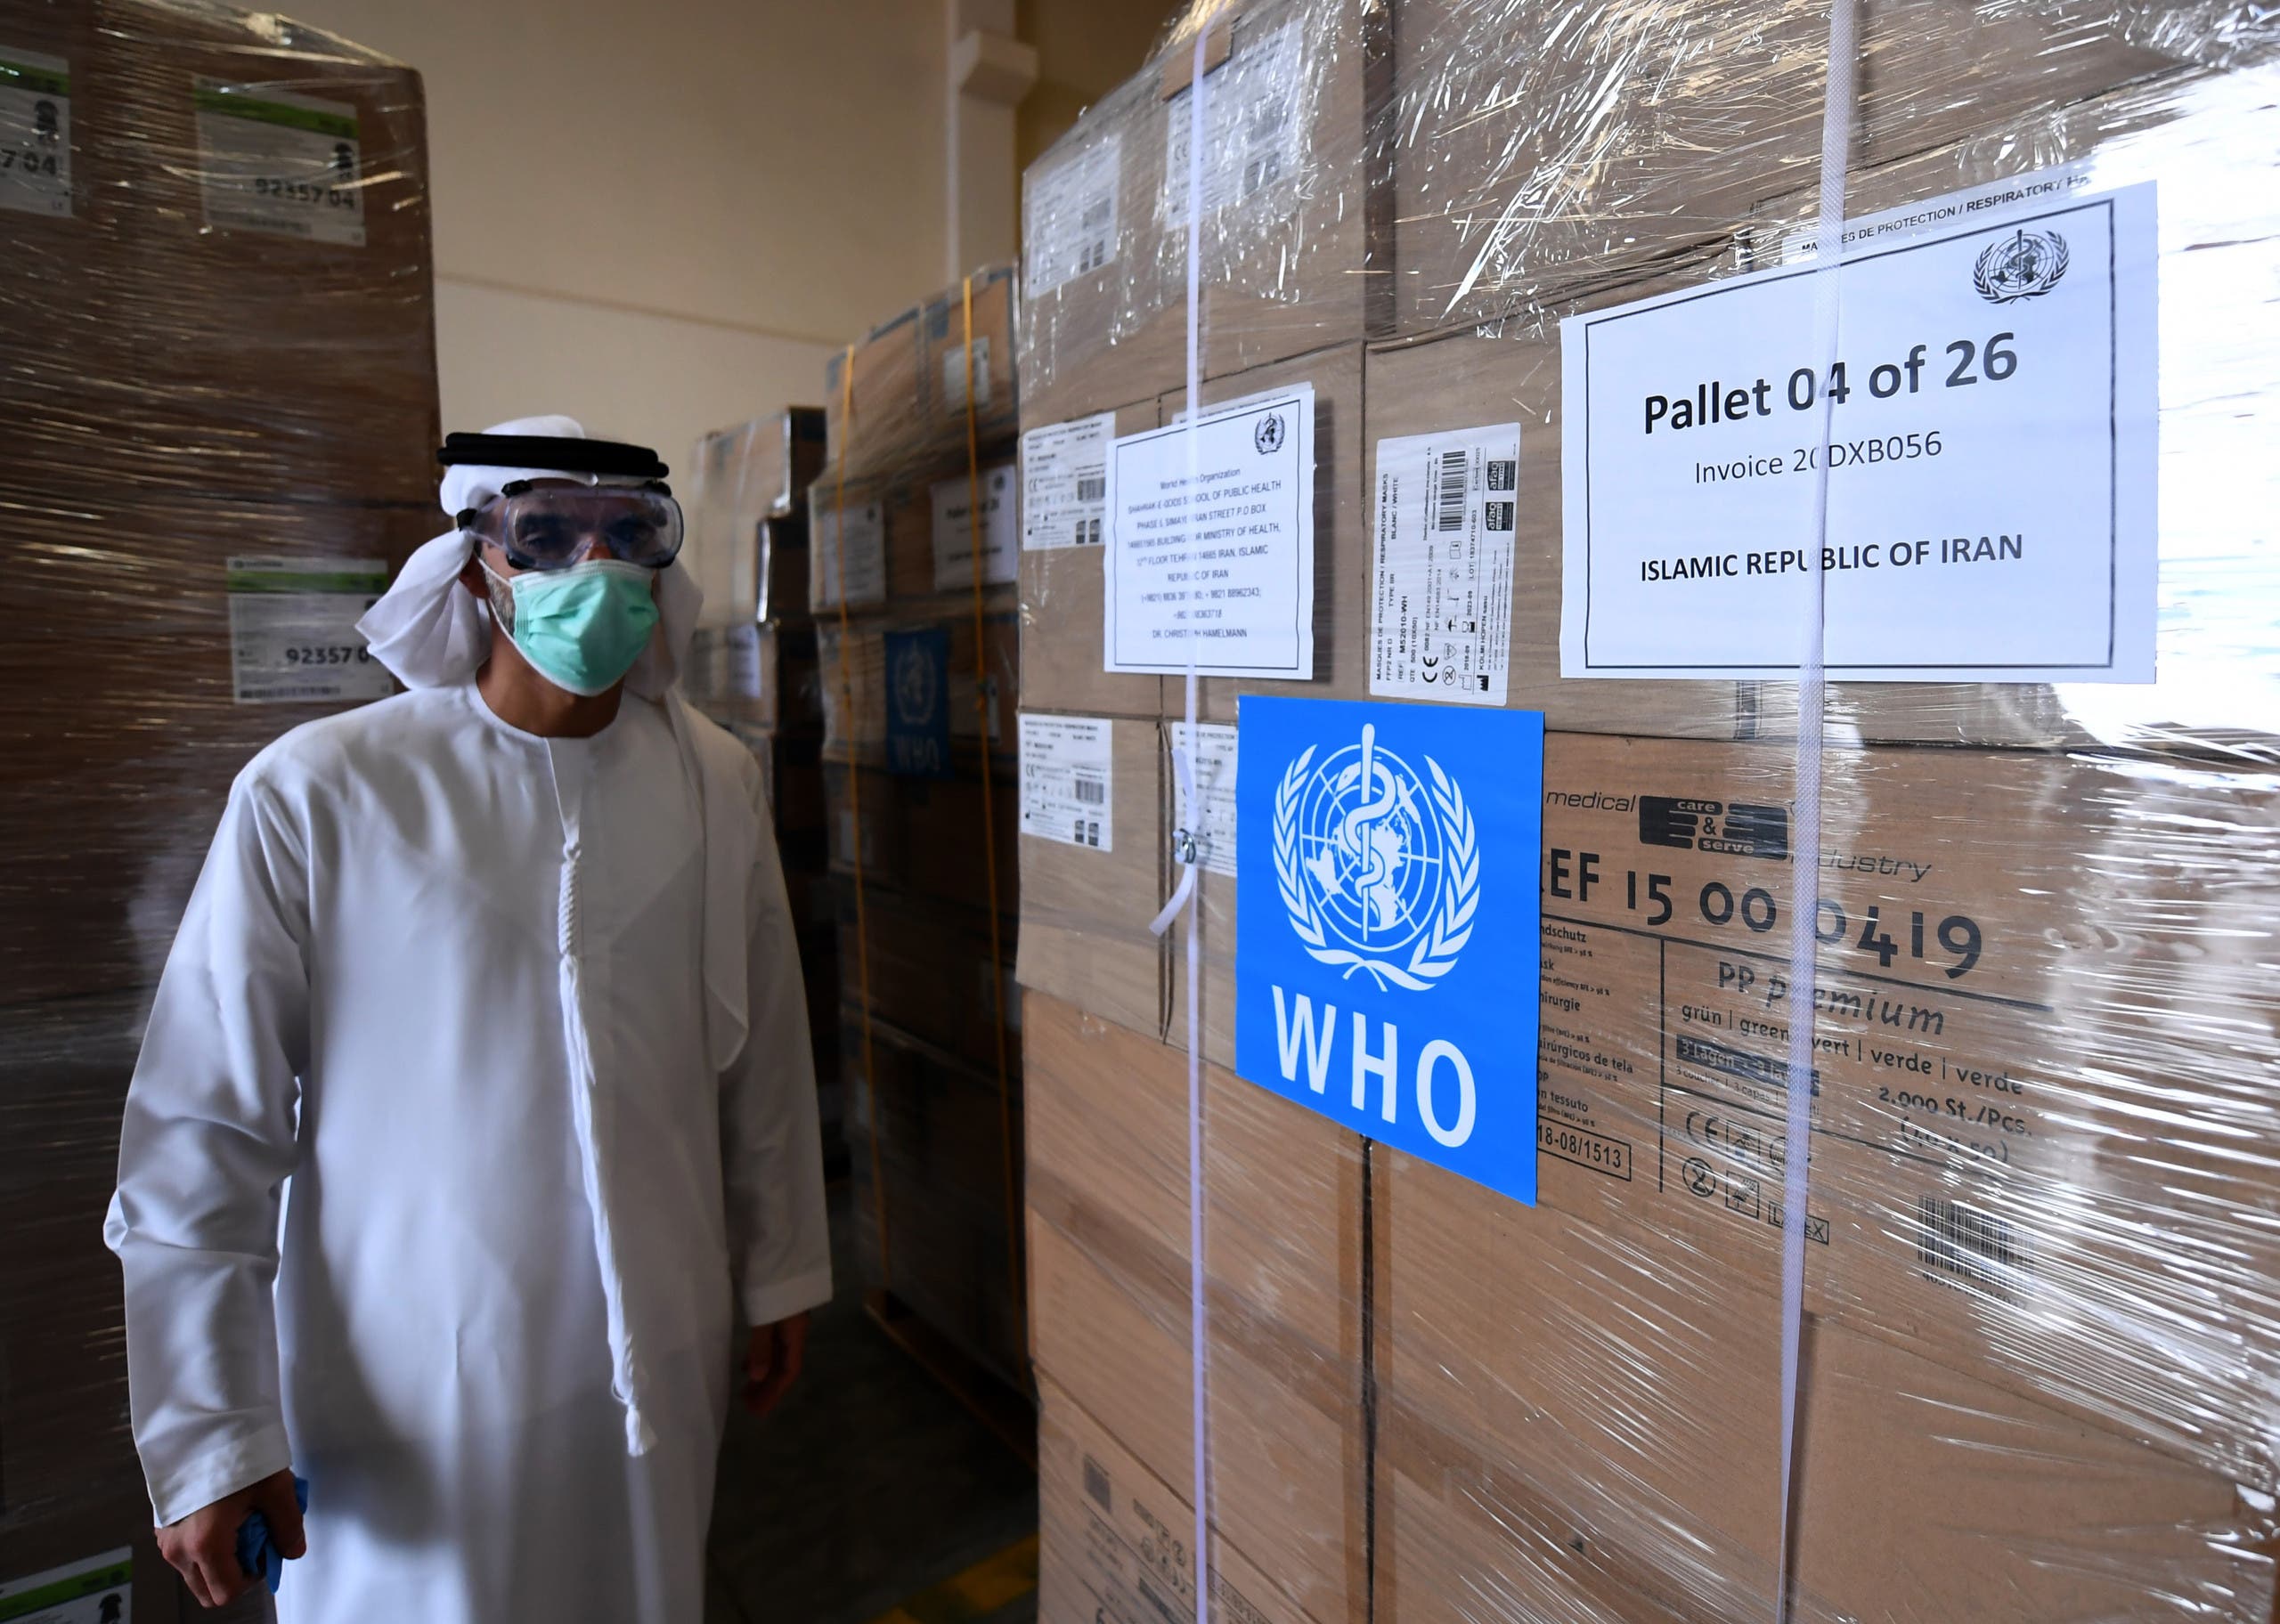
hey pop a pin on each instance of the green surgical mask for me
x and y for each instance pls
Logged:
(581, 629)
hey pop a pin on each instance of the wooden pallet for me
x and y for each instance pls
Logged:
(1008, 1412)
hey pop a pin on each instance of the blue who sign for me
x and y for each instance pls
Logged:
(1386, 959)
(918, 703)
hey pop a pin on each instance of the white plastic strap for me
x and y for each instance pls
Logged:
(1805, 893)
(1183, 895)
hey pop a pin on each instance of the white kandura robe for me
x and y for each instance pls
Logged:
(483, 997)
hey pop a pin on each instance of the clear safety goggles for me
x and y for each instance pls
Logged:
(551, 527)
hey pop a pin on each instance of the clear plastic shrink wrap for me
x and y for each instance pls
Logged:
(217, 379)
(2038, 1370)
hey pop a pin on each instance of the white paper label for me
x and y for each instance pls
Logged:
(1991, 468)
(1254, 134)
(1441, 593)
(1969, 205)
(1064, 482)
(954, 530)
(740, 662)
(1210, 817)
(1223, 556)
(953, 374)
(1067, 780)
(35, 132)
(866, 555)
(274, 160)
(293, 637)
(97, 1591)
(1072, 219)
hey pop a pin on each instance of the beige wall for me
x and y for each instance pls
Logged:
(660, 216)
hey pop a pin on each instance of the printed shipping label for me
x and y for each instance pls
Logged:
(99, 1590)
(1387, 949)
(954, 371)
(1254, 125)
(1990, 472)
(1071, 216)
(1972, 204)
(274, 160)
(1441, 599)
(1067, 780)
(293, 637)
(1064, 482)
(1212, 540)
(35, 132)
(953, 529)
(1213, 822)
(865, 556)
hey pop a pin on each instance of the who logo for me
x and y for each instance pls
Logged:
(1387, 958)
(1374, 866)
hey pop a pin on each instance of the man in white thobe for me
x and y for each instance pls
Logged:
(476, 1100)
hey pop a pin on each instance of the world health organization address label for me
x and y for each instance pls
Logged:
(1991, 464)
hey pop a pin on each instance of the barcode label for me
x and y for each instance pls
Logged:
(1097, 1485)
(1092, 792)
(1070, 216)
(1968, 1245)
(1454, 466)
(1064, 482)
(1068, 780)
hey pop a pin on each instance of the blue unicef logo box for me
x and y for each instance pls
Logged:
(1387, 952)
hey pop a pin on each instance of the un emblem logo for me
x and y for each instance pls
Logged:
(915, 686)
(1379, 870)
(2025, 265)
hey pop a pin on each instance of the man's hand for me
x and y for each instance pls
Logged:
(772, 1361)
(203, 1546)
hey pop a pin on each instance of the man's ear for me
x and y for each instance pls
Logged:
(471, 578)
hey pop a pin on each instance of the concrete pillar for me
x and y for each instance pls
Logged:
(990, 71)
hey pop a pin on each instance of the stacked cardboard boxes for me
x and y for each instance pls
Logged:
(919, 655)
(753, 669)
(2039, 1339)
(217, 331)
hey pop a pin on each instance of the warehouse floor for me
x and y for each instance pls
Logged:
(870, 1490)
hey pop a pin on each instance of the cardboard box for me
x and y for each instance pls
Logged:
(2039, 1167)
(856, 694)
(154, 341)
(925, 837)
(1115, 1542)
(1292, 255)
(1533, 160)
(943, 1141)
(2034, 950)
(1583, 1421)
(907, 389)
(1086, 912)
(929, 972)
(1062, 636)
(124, 726)
(1109, 1281)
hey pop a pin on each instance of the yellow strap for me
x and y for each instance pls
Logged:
(976, 532)
(990, 1587)
(855, 804)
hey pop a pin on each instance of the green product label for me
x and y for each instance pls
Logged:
(311, 580)
(240, 103)
(37, 81)
(93, 1581)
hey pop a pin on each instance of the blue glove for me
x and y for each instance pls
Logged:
(257, 1553)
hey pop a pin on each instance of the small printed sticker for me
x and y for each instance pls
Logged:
(274, 160)
(35, 132)
(1067, 780)
(293, 637)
